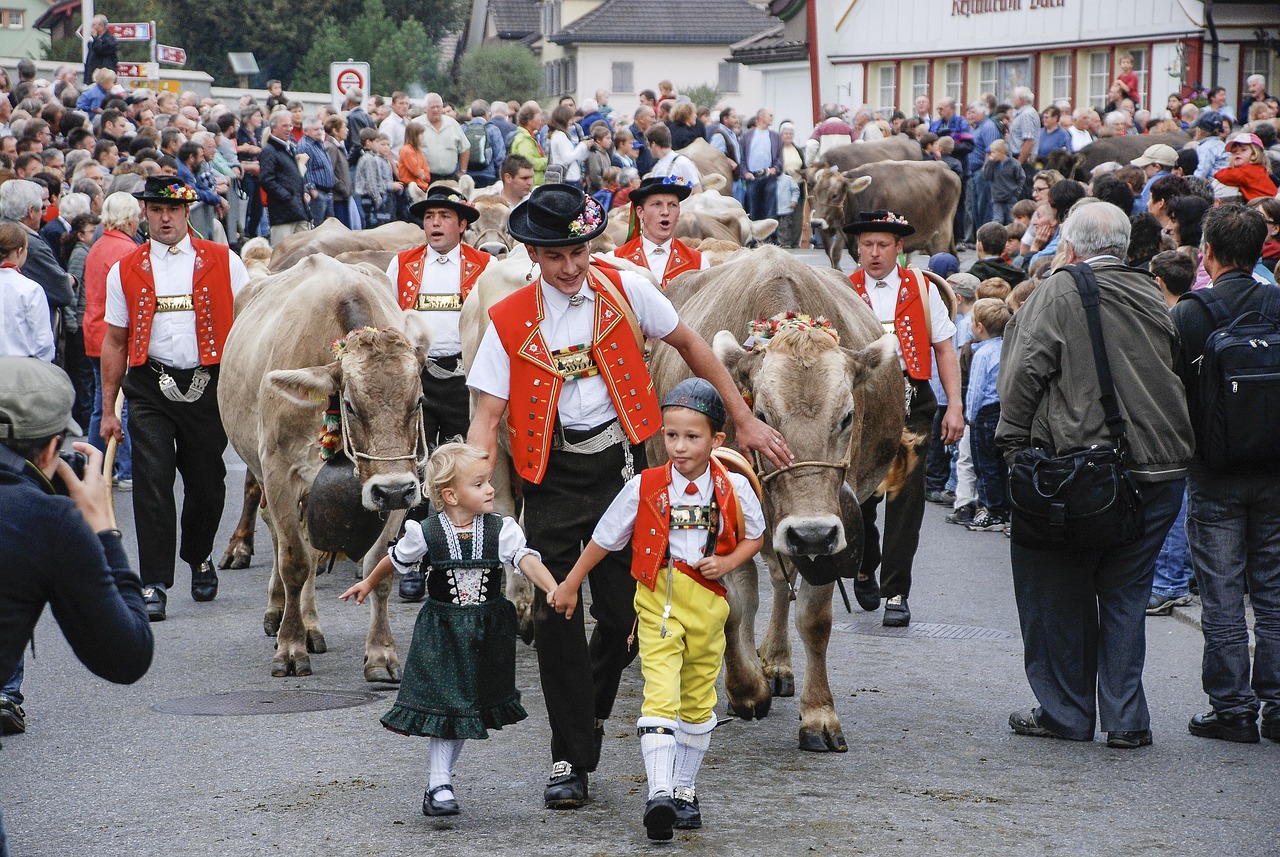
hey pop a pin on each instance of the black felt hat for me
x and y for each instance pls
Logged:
(674, 185)
(879, 221)
(699, 395)
(167, 189)
(557, 215)
(442, 195)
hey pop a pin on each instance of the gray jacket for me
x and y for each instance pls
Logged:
(1048, 385)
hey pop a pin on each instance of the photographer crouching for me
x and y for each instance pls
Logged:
(60, 550)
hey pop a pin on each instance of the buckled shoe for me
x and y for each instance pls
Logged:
(688, 813)
(433, 807)
(204, 581)
(567, 787)
(154, 599)
(659, 817)
(897, 614)
(867, 591)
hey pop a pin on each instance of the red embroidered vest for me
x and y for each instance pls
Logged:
(411, 262)
(681, 258)
(536, 385)
(653, 522)
(211, 298)
(910, 319)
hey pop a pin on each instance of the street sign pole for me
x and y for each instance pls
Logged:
(86, 27)
(155, 64)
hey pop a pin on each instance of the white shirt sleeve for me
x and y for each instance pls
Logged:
(752, 514)
(410, 548)
(117, 314)
(706, 262)
(655, 313)
(512, 546)
(393, 271)
(490, 371)
(619, 520)
(37, 311)
(239, 274)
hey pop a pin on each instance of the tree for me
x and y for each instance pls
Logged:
(702, 94)
(504, 72)
(400, 56)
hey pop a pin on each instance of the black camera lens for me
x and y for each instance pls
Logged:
(77, 461)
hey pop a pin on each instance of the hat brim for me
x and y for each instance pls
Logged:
(900, 229)
(521, 228)
(463, 210)
(143, 196)
(679, 191)
(1146, 162)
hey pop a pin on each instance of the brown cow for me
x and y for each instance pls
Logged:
(924, 192)
(899, 147)
(278, 372)
(332, 238)
(710, 161)
(489, 233)
(840, 408)
(1122, 150)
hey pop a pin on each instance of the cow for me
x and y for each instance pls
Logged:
(332, 238)
(710, 162)
(899, 147)
(702, 216)
(1122, 150)
(841, 409)
(926, 193)
(489, 233)
(278, 371)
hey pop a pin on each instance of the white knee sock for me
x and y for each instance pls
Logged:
(659, 749)
(692, 742)
(444, 755)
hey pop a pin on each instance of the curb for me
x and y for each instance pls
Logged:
(1190, 615)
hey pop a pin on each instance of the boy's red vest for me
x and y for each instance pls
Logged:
(536, 384)
(653, 523)
(211, 298)
(410, 279)
(680, 260)
(910, 319)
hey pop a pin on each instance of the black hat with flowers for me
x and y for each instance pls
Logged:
(557, 215)
(167, 189)
(674, 185)
(879, 221)
(442, 195)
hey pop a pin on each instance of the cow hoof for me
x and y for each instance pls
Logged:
(812, 741)
(381, 674)
(752, 711)
(271, 623)
(783, 685)
(283, 667)
(235, 557)
(315, 642)
(835, 740)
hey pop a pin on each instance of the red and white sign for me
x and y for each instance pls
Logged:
(345, 76)
(137, 69)
(173, 56)
(140, 32)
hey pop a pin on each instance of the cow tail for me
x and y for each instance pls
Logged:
(905, 461)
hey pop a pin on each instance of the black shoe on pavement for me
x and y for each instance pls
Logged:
(1026, 723)
(204, 581)
(13, 720)
(1270, 728)
(1129, 740)
(413, 585)
(431, 806)
(962, 516)
(154, 599)
(1162, 605)
(567, 788)
(688, 813)
(942, 498)
(659, 817)
(987, 522)
(867, 592)
(896, 613)
(1241, 728)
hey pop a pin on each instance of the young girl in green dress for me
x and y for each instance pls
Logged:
(459, 675)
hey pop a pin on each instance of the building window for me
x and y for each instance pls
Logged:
(953, 77)
(919, 80)
(888, 91)
(728, 77)
(546, 18)
(1060, 78)
(1099, 80)
(1255, 61)
(623, 76)
(12, 19)
(987, 79)
(571, 75)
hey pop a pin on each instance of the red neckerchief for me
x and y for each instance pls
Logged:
(9, 265)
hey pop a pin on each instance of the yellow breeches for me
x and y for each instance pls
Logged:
(680, 669)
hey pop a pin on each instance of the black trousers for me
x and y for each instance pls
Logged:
(903, 513)
(446, 411)
(580, 678)
(174, 437)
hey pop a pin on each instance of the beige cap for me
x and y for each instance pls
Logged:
(1160, 153)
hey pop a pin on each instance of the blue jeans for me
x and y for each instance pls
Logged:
(13, 687)
(979, 200)
(124, 451)
(988, 463)
(1173, 564)
(762, 197)
(1233, 527)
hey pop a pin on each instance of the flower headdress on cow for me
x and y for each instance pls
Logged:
(760, 331)
(676, 186)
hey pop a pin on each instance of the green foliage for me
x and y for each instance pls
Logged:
(437, 17)
(500, 71)
(400, 56)
(702, 94)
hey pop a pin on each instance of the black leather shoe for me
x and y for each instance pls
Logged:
(13, 720)
(659, 817)
(204, 581)
(896, 613)
(1131, 740)
(688, 813)
(433, 807)
(154, 599)
(1026, 723)
(567, 788)
(867, 591)
(413, 585)
(1241, 728)
(1271, 728)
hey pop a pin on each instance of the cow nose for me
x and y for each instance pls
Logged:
(395, 495)
(811, 539)
(496, 249)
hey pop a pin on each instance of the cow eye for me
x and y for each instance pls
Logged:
(846, 421)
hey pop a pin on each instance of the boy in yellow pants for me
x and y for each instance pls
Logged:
(690, 523)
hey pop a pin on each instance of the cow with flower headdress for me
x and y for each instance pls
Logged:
(812, 361)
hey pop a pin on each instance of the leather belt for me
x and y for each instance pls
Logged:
(175, 303)
(446, 367)
(589, 441)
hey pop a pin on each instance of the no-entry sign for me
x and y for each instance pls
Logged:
(345, 76)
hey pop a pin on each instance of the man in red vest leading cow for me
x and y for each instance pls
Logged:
(170, 305)
(657, 203)
(566, 353)
(908, 305)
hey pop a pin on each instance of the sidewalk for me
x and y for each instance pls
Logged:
(1190, 614)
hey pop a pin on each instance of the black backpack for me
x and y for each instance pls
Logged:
(1240, 385)
(481, 152)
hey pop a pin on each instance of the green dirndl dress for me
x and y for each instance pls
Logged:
(460, 674)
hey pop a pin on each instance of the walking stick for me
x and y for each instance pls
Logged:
(109, 461)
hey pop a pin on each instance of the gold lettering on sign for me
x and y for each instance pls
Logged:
(439, 303)
(175, 303)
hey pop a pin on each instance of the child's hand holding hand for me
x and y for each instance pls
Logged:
(713, 567)
(563, 599)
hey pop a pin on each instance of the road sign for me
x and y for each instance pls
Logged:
(138, 69)
(173, 56)
(140, 32)
(344, 76)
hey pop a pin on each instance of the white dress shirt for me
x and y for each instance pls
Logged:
(675, 164)
(173, 334)
(438, 278)
(584, 403)
(658, 256)
(25, 327)
(884, 303)
(619, 520)
(394, 126)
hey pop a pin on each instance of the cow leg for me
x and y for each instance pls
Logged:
(294, 563)
(775, 650)
(381, 663)
(519, 590)
(833, 240)
(275, 587)
(819, 724)
(240, 548)
(744, 682)
(310, 618)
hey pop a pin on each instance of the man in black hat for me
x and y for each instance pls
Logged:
(909, 306)
(435, 279)
(657, 205)
(170, 305)
(566, 353)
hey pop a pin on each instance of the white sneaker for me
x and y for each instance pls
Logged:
(123, 484)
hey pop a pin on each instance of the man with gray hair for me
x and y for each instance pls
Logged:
(1024, 132)
(23, 202)
(500, 118)
(445, 145)
(357, 121)
(978, 199)
(1255, 86)
(1083, 612)
(102, 51)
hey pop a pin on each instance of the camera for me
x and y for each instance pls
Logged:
(77, 461)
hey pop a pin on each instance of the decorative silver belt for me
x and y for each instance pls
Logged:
(609, 437)
(168, 386)
(434, 370)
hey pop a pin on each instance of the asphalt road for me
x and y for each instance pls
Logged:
(932, 766)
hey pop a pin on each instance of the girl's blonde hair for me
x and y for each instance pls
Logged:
(1256, 155)
(446, 463)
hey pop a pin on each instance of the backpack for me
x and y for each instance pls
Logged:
(481, 152)
(1240, 385)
